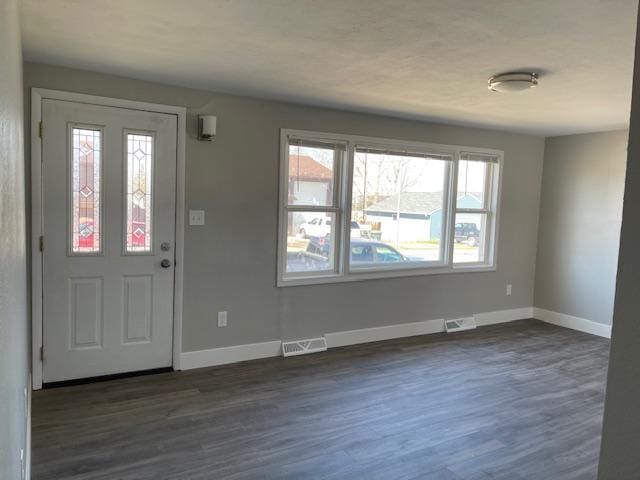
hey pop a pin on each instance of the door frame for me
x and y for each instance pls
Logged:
(37, 286)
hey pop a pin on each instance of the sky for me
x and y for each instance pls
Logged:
(388, 174)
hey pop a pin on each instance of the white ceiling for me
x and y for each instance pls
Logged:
(424, 59)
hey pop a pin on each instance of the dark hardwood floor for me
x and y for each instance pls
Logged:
(522, 400)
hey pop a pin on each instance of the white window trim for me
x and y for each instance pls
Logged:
(344, 180)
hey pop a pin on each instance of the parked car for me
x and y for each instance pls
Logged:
(362, 251)
(374, 251)
(317, 227)
(321, 227)
(467, 233)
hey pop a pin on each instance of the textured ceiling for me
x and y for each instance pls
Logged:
(424, 59)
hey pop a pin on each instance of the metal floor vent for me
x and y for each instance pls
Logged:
(302, 347)
(459, 324)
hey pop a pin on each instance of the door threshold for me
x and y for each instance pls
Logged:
(105, 378)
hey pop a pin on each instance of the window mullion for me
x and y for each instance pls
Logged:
(451, 216)
(338, 160)
(345, 203)
(338, 187)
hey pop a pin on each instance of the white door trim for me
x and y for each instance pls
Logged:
(37, 95)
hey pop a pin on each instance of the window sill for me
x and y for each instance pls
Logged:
(362, 275)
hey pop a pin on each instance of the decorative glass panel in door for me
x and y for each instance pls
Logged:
(139, 180)
(85, 190)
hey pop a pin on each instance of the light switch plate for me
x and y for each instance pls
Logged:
(196, 217)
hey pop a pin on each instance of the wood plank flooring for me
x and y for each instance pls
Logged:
(515, 401)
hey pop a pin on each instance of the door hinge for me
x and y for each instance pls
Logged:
(40, 129)
(42, 353)
(41, 243)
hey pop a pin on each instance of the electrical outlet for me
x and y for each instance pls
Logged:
(196, 217)
(508, 289)
(222, 319)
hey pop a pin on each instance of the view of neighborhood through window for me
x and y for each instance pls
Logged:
(400, 214)
(469, 238)
(312, 248)
(397, 202)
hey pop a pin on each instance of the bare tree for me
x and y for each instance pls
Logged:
(369, 181)
(400, 177)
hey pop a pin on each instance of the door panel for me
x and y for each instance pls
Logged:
(85, 310)
(138, 302)
(108, 179)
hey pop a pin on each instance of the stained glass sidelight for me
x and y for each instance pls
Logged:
(139, 193)
(85, 235)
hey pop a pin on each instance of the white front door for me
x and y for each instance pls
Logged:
(108, 191)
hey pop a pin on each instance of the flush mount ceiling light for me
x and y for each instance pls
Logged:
(513, 81)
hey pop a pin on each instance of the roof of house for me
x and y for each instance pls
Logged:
(423, 203)
(410, 202)
(305, 168)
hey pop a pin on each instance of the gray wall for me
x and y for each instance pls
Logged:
(230, 262)
(14, 350)
(619, 459)
(579, 230)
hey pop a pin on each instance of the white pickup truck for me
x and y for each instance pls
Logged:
(321, 227)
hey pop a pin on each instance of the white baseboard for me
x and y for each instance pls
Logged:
(375, 334)
(252, 351)
(575, 323)
(502, 316)
(224, 355)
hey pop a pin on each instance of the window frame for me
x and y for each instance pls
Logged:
(333, 209)
(492, 190)
(414, 148)
(343, 183)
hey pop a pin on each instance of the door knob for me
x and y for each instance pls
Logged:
(165, 263)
